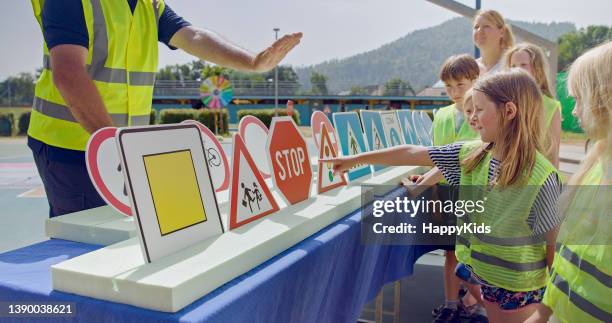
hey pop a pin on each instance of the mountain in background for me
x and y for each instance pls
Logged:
(415, 57)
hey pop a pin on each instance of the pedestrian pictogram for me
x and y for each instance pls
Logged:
(250, 197)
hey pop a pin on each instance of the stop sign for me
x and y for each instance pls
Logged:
(288, 158)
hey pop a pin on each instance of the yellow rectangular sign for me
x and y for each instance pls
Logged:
(175, 190)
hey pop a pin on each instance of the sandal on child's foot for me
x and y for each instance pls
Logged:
(447, 315)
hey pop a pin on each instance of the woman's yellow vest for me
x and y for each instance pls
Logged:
(580, 286)
(122, 62)
(510, 255)
(444, 130)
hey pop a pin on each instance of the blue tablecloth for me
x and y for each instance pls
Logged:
(326, 278)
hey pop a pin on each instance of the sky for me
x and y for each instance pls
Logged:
(332, 28)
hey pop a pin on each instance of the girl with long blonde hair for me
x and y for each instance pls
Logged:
(581, 278)
(518, 184)
(531, 58)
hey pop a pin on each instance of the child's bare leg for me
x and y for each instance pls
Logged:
(451, 281)
(497, 315)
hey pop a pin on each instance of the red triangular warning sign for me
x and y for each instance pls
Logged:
(250, 197)
(327, 179)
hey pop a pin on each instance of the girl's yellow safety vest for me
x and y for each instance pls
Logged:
(122, 62)
(510, 255)
(580, 286)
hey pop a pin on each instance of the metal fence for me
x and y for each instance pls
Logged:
(240, 87)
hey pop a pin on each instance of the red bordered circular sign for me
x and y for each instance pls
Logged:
(215, 157)
(104, 168)
(255, 135)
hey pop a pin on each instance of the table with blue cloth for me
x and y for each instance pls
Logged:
(328, 277)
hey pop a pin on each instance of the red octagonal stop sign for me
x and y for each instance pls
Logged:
(288, 158)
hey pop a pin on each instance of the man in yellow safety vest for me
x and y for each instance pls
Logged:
(99, 65)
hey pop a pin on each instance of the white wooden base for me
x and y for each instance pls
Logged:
(101, 226)
(105, 226)
(118, 272)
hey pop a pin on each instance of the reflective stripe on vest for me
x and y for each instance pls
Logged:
(581, 302)
(584, 265)
(122, 62)
(580, 288)
(113, 75)
(510, 256)
(510, 241)
(61, 112)
(492, 260)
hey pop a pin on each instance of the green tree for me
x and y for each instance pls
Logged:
(398, 87)
(319, 83)
(17, 90)
(575, 43)
(212, 70)
(288, 81)
(252, 83)
(358, 90)
(187, 72)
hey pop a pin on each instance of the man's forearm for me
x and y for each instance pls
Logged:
(210, 46)
(82, 98)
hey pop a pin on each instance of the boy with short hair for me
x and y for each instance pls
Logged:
(450, 125)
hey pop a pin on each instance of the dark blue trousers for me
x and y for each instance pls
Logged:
(64, 175)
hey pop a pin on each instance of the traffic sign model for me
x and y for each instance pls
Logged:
(289, 161)
(393, 130)
(250, 197)
(426, 126)
(254, 133)
(374, 132)
(351, 140)
(327, 179)
(407, 126)
(104, 168)
(170, 188)
(316, 119)
(215, 157)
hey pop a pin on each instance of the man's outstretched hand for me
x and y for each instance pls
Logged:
(271, 56)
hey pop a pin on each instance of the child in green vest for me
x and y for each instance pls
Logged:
(579, 289)
(531, 58)
(518, 185)
(450, 125)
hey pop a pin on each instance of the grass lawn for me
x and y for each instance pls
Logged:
(572, 137)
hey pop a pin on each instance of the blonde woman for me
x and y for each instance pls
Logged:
(520, 187)
(579, 289)
(531, 58)
(493, 36)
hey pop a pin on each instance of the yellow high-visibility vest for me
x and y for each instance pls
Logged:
(580, 286)
(510, 256)
(122, 62)
(444, 129)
